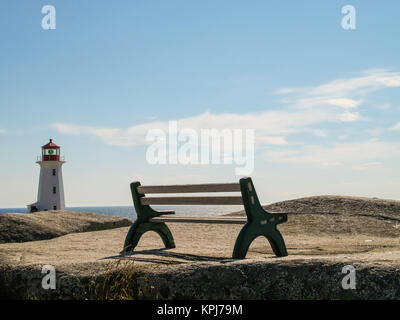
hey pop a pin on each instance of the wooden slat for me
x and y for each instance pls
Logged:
(191, 188)
(216, 220)
(193, 200)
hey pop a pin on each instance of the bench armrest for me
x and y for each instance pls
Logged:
(162, 212)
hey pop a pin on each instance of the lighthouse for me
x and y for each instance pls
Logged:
(51, 188)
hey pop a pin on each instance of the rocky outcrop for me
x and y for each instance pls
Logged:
(330, 204)
(322, 235)
(248, 279)
(339, 214)
(16, 227)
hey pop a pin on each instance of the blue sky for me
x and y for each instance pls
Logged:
(324, 102)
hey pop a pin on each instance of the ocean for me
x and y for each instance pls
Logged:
(129, 211)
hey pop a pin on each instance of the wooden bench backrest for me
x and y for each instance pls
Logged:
(192, 188)
(258, 221)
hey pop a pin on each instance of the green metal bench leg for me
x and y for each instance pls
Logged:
(139, 228)
(243, 241)
(277, 243)
(259, 223)
(143, 224)
(250, 232)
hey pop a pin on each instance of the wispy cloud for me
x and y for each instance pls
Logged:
(304, 110)
(280, 141)
(370, 80)
(349, 117)
(2, 131)
(344, 93)
(272, 127)
(132, 136)
(345, 102)
(396, 127)
(357, 155)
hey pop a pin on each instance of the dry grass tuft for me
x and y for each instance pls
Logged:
(119, 282)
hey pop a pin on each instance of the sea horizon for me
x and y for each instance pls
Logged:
(129, 211)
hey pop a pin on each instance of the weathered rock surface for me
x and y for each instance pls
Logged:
(333, 214)
(15, 227)
(320, 243)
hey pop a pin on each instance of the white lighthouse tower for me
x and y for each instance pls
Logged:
(51, 188)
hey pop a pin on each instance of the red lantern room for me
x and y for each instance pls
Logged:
(51, 152)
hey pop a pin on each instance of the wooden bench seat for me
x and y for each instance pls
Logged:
(258, 222)
(190, 219)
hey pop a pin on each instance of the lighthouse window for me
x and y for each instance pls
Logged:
(54, 190)
(54, 172)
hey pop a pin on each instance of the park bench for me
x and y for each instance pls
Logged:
(259, 222)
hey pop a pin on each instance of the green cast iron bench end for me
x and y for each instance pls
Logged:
(259, 221)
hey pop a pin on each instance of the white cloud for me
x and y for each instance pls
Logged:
(272, 127)
(2, 131)
(396, 127)
(368, 165)
(341, 92)
(305, 111)
(113, 136)
(371, 81)
(318, 132)
(349, 117)
(273, 140)
(345, 103)
(357, 155)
